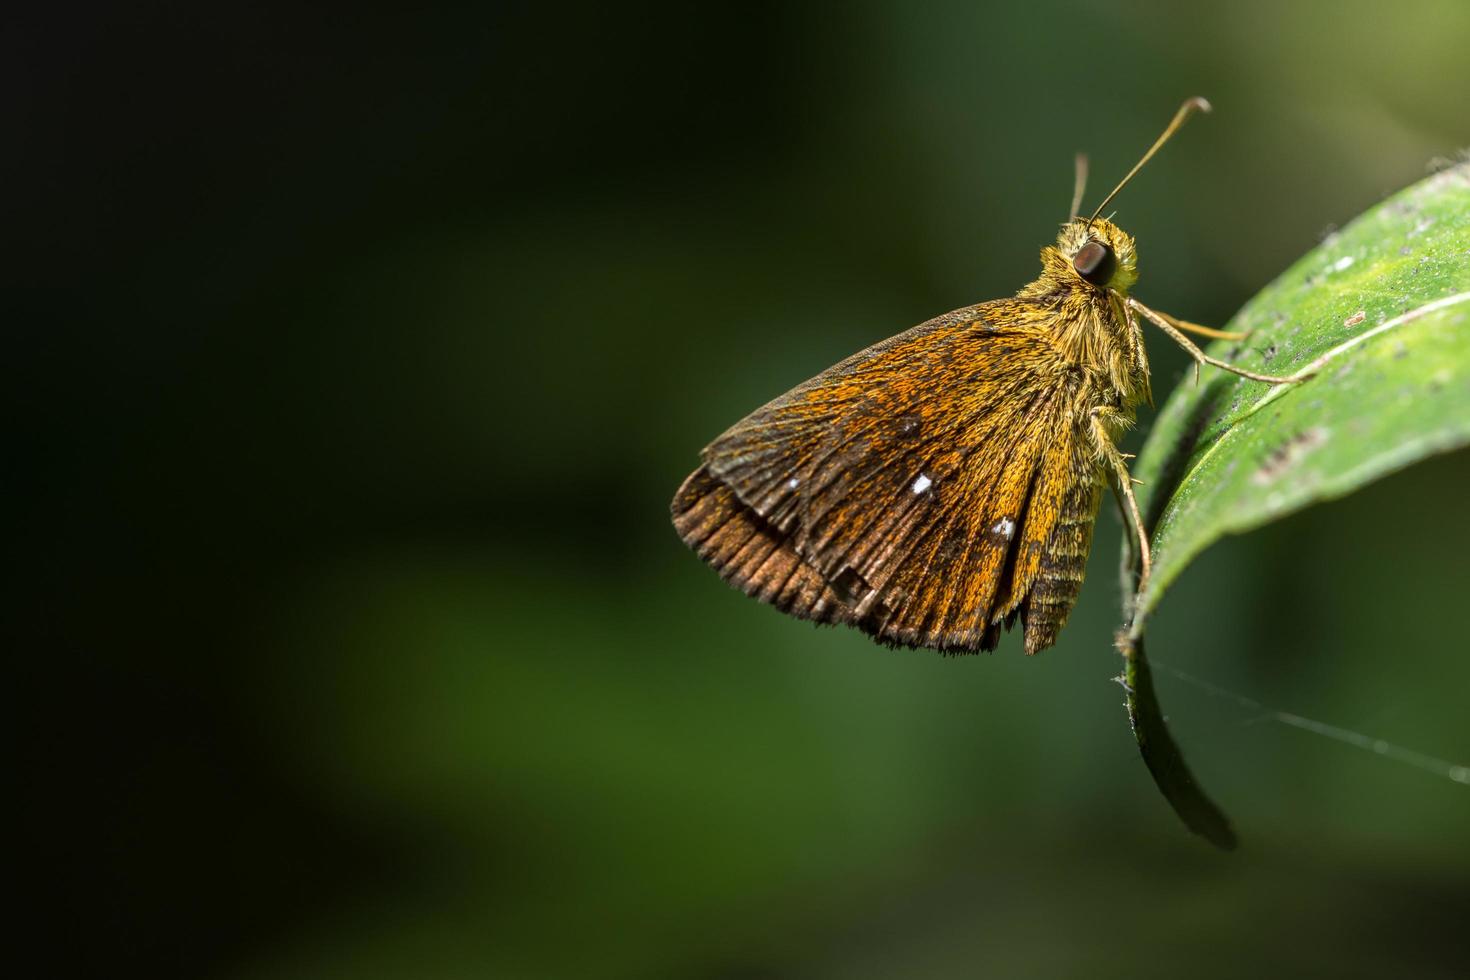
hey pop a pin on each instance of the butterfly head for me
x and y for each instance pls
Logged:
(1095, 254)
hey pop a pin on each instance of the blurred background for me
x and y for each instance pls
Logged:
(355, 357)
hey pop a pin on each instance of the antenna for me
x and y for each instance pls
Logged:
(1079, 185)
(1190, 106)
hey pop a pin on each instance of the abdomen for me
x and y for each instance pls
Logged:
(1063, 559)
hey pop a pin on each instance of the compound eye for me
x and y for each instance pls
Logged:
(1095, 263)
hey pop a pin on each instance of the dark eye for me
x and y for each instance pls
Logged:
(1095, 263)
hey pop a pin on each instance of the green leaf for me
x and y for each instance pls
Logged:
(1380, 311)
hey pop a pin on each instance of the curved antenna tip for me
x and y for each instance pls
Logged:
(1196, 104)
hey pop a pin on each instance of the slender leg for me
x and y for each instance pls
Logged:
(1167, 324)
(1123, 487)
(1203, 331)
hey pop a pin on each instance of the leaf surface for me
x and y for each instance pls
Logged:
(1380, 313)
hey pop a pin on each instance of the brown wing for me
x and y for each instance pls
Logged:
(911, 491)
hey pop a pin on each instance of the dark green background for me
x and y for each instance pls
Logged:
(355, 357)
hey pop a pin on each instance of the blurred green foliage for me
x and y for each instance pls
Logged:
(357, 359)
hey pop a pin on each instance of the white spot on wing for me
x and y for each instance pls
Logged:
(793, 483)
(922, 483)
(1343, 263)
(1005, 527)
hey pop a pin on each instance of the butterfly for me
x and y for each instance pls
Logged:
(943, 484)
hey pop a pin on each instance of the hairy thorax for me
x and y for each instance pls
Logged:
(1088, 322)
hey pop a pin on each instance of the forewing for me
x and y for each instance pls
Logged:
(901, 490)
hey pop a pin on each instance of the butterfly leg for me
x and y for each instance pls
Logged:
(1169, 325)
(1210, 332)
(1123, 487)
